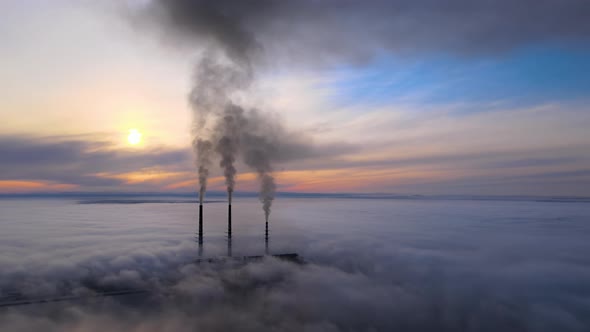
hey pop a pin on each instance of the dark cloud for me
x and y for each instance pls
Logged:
(318, 31)
(75, 161)
(26, 150)
(474, 160)
(563, 174)
(528, 162)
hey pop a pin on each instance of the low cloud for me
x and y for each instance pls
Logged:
(427, 274)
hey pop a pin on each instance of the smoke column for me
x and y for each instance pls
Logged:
(267, 193)
(220, 76)
(224, 71)
(229, 127)
(203, 151)
(257, 150)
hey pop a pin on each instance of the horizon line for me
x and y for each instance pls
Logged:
(218, 193)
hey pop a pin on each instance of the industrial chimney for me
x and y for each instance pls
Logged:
(229, 220)
(266, 238)
(229, 200)
(200, 223)
(200, 229)
(229, 251)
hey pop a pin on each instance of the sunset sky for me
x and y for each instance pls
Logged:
(77, 77)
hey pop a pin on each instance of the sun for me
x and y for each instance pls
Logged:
(134, 137)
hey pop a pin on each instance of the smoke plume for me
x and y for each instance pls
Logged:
(203, 152)
(229, 126)
(213, 84)
(225, 69)
(256, 155)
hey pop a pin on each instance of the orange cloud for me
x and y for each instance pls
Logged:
(353, 179)
(147, 175)
(10, 186)
(215, 183)
(326, 180)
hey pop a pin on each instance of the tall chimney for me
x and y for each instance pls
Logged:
(229, 251)
(229, 220)
(200, 229)
(200, 223)
(266, 238)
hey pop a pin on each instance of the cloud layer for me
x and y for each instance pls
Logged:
(80, 162)
(85, 163)
(316, 32)
(373, 265)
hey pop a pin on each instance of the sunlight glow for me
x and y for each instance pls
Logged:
(134, 137)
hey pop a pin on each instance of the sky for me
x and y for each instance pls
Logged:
(475, 98)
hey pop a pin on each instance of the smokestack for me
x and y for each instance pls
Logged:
(229, 252)
(200, 223)
(229, 200)
(266, 238)
(200, 229)
(229, 229)
(229, 220)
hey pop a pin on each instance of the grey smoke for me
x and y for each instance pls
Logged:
(211, 89)
(257, 152)
(220, 74)
(203, 150)
(213, 84)
(229, 127)
(218, 77)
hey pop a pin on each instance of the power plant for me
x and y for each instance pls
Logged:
(229, 233)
